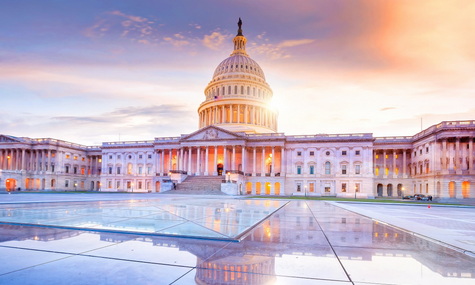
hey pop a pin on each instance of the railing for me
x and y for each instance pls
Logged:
(125, 143)
(332, 136)
(234, 172)
(178, 171)
(166, 139)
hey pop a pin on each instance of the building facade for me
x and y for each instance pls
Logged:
(238, 141)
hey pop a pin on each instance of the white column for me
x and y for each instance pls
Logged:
(263, 165)
(384, 163)
(254, 161)
(190, 154)
(272, 161)
(283, 162)
(470, 156)
(404, 163)
(215, 172)
(394, 164)
(206, 161)
(244, 159)
(22, 159)
(225, 160)
(457, 165)
(198, 154)
(233, 159)
(444, 155)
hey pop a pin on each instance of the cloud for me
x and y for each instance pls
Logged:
(387, 108)
(294, 43)
(178, 40)
(214, 40)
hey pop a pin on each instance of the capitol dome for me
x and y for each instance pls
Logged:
(238, 96)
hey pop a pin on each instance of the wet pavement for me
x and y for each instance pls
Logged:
(303, 242)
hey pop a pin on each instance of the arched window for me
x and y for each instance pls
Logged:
(328, 167)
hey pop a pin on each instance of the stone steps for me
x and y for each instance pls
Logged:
(205, 185)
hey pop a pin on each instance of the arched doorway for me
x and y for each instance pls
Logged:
(389, 189)
(277, 188)
(249, 188)
(258, 188)
(10, 184)
(379, 189)
(268, 186)
(219, 169)
(399, 190)
(53, 184)
(92, 185)
(157, 186)
(466, 189)
(452, 189)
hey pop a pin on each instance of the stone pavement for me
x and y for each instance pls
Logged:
(451, 225)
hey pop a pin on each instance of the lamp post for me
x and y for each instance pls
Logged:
(356, 188)
(305, 188)
(402, 192)
(228, 177)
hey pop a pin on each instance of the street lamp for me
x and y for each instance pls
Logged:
(305, 188)
(402, 192)
(228, 177)
(356, 188)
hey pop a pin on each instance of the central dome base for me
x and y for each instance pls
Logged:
(239, 128)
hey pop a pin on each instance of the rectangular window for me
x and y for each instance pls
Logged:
(140, 156)
(299, 187)
(327, 188)
(83, 171)
(357, 152)
(299, 153)
(75, 157)
(343, 187)
(118, 156)
(357, 187)
(357, 169)
(149, 170)
(312, 169)
(343, 169)
(66, 183)
(109, 184)
(110, 156)
(311, 187)
(117, 185)
(396, 171)
(118, 169)
(149, 156)
(110, 169)
(299, 169)
(66, 169)
(68, 156)
(140, 185)
(327, 168)
(386, 171)
(312, 153)
(343, 152)
(75, 170)
(140, 169)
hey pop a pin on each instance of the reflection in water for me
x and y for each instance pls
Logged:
(294, 242)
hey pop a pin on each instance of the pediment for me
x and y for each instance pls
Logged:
(211, 133)
(9, 139)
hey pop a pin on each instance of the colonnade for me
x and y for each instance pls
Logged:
(456, 155)
(238, 114)
(20, 159)
(216, 160)
(385, 163)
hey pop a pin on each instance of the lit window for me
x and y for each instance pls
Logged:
(377, 156)
(75, 158)
(357, 187)
(343, 187)
(376, 171)
(311, 187)
(68, 156)
(386, 171)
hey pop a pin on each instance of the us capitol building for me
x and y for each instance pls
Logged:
(238, 150)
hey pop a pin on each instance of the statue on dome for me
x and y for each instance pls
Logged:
(239, 25)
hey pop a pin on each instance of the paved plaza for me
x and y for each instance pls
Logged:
(280, 241)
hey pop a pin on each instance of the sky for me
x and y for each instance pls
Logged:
(96, 71)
